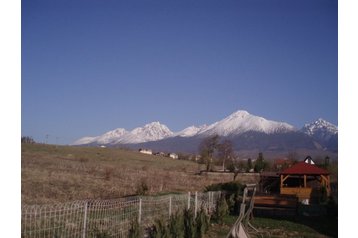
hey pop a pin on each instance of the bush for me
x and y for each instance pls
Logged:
(230, 187)
(100, 234)
(176, 226)
(202, 222)
(232, 190)
(189, 226)
(135, 230)
(108, 173)
(142, 188)
(160, 230)
(222, 209)
(182, 225)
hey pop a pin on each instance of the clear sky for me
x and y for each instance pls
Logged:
(90, 66)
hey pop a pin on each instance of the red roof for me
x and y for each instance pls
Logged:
(305, 168)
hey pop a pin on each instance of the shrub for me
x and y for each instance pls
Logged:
(189, 226)
(230, 187)
(135, 231)
(232, 192)
(159, 230)
(97, 233)
(176, 225)
(222, 210)
(142, 187)
(332, 207)
(202, 223)
(108, 172)
(182, 225)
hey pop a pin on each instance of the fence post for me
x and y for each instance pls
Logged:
(209, 202)
(196, 204)
(170, 206)
(140, 211)
(85, 221)
(188, 200)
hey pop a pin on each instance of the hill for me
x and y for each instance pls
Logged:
(51, 174)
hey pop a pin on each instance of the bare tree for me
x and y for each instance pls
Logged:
(226, 152)
(207, 149)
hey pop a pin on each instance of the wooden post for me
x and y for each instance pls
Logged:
(329, 183)
(170, 206)
(305, 180)
(85, 221)
(140, 211)
(196, 204)
(211, 201)
(281, 180)
(188, 200)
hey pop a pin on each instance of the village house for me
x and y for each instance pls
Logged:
(282, 163)
(159, 153)
(173, 156)
(146, 151)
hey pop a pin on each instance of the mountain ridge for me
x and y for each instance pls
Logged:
(239, 126)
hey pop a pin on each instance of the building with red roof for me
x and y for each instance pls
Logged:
(304, 180)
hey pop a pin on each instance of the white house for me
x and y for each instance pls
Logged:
(145, 151)
(173, 156)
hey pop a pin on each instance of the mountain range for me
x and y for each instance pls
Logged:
(246, 131)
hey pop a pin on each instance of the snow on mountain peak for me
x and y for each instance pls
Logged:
(235, 124)
(84, 140)
(149, 132)
(320, 128)
(190, 131)
(242, 121)
(240, 113)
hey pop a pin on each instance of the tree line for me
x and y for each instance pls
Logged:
(214, 152)
(27, 140)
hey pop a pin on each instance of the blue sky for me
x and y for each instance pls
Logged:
(92, 66)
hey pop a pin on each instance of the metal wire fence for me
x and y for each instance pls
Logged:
(108, 218)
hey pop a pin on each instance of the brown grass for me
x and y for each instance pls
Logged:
(51, 174)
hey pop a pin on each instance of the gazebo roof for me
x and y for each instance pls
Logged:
(305, 168)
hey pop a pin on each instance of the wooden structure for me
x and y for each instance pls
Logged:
(294, 181)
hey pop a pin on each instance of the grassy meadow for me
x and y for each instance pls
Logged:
(51, 174)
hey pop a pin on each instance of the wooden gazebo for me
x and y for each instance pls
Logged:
(294, 180)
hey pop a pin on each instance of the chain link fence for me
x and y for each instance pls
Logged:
(108, 218)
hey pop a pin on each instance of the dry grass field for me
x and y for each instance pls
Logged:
(51, 174)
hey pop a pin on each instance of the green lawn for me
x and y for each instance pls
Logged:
(282, 227)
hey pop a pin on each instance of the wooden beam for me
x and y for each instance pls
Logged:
(328, 185)
(283, 180)
(324, 179)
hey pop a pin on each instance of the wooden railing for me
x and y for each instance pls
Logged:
(301, 193)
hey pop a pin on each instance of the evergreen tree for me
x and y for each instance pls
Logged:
(249, 165)
(260, 164)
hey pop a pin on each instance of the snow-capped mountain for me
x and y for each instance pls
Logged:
(241, 121)
(320, 129)
(247, 132)
(190, 131)
(85, 140)
(149, 132)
